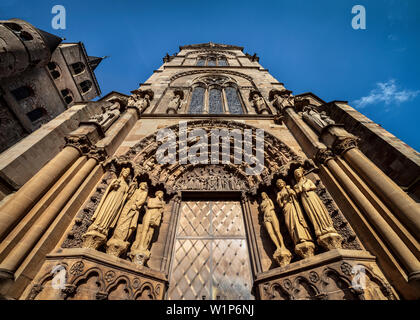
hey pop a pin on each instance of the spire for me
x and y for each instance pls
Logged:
(95, 61)
(52, 41)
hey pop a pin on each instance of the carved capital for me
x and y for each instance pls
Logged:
(99, 154)
(343, 145)
(323, 155)
(81, 143)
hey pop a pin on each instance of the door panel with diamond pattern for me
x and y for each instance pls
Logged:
(210, 257)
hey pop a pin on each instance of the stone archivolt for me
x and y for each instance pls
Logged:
(278, 159)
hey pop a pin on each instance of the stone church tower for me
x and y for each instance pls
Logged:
(213, 181)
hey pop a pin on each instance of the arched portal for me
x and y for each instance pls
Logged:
(210, 253)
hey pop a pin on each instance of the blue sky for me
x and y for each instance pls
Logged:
(307, 45)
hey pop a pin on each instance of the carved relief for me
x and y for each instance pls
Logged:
(96, 281)
(327, 282)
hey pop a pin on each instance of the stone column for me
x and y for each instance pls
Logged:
(406, 257)
(10, 264)
(22, 201)
(403, 206)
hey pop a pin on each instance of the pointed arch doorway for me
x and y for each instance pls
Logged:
(210, 257)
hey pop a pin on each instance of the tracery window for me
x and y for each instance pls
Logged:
(212, 61)
(216, 95)
(233, 101)
(215, 101)
(197, 100)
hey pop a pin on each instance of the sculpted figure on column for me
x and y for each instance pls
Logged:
(140, 249)
(132, 100)
(317, 120)
(143, 103)
(327, 236)
(259, 104)
(295, 221)
(108, 116)
(174, 104)
(127, 222)
(282, 100)
(107, 212)
(282, 255)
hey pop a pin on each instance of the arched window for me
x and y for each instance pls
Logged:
(201, 62)
(212, 61)
(216, 95)
(36, 114)
(22, 93)
(54, 69)
(67, 95)
(221, 61)
(215, 101)
(86, 85)
(78, 67)
(197, 100)
(234, 104)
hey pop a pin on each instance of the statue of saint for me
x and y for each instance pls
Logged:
(127, 222)
(317, 120)
(282, 101)
(259, 104)
(107, 212)
(132, 100)
(107, 117)
(324, 230)
(295, 221)
(174, 104)
(140, 249)
(271, 223)
(143, 103)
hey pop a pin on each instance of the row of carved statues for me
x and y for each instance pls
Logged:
(288, 200)
(119, 209)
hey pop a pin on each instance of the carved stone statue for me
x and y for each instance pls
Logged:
(142, 103)
(295, 221)
(107, 117)
(317, 120)
(282, 100)
(259, 104)
(174, 104)
(127, 222)
(326, 235)
(140, 249)
(282, 255)
(107, 212)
